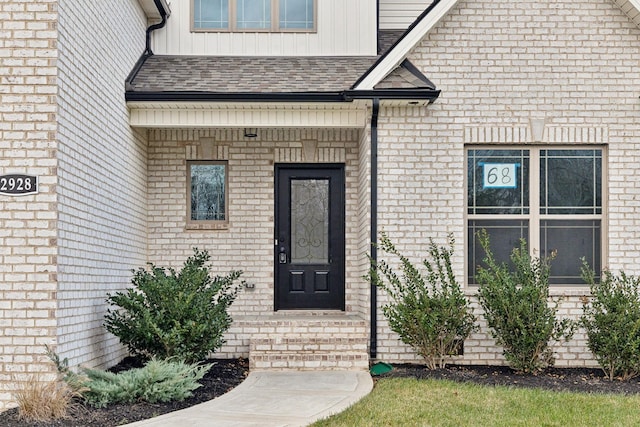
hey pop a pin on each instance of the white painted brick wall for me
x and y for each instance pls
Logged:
(102, 172)
(27, 223)
(499, 65)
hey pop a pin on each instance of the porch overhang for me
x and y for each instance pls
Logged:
(167, 114)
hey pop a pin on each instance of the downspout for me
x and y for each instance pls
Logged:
(147, 50)
(373, 343)
(152, 28)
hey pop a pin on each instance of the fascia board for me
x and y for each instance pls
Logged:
(636, 5)
(400, 51)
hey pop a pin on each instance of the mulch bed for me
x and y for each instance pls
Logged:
(222, 377)
(582, 380)
(227, 374)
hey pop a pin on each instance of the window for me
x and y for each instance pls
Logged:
(207, 192)
(550, 197)
(254, 15)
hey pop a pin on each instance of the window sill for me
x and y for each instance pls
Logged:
(217, 225)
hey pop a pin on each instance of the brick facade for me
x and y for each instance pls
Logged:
(62, 118)
(112, 197)
(500, 65)
(28, 271)
(102, 166)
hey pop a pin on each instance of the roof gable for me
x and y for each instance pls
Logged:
(398, 53)
(437, 10)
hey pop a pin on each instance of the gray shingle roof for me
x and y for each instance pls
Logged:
(217, 74)
(165, 77)
(387, 38)
(405, 76)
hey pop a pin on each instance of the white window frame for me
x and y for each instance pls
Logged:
(534, 216)
(275, 21)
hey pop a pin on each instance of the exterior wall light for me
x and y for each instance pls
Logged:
(250, 132)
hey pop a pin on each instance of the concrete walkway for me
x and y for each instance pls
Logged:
(273, 398)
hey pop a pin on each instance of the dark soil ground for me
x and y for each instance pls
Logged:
(226, 374)
(582, 380)
(222, 377)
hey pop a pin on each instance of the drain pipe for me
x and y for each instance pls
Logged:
(373, 343)
(164, 14)
(152, 28)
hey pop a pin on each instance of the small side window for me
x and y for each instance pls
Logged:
(207, 193)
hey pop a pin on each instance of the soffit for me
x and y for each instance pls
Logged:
(150, 8)
(240, 115)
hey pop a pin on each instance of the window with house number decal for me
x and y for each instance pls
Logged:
(551, 197)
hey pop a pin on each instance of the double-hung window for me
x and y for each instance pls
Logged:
(254, 15)
(551, 197)
(207, 193)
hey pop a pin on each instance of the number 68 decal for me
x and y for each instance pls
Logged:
(18, 185)
(500, 175)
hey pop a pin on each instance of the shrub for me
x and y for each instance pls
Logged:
(428, 311)
(516, 307)
(612, 321)
(174, 314)
(157, 381)
(44, 401)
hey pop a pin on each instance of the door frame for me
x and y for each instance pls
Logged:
(341, 228)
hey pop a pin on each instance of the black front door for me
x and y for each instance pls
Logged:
(309, 240)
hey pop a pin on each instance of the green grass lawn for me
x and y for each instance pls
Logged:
(409, 402)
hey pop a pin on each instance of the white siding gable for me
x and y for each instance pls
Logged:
(399, 14)
(344, 28)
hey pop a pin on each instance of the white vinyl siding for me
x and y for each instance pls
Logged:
(343, 28)
(398, 15)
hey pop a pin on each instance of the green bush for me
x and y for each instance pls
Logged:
(516, 307)
(157, 381)
(612, 321)
(174, 314)
(428, 311)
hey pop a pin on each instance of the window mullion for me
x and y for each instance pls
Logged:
(233, 15)
(275, 15)
(534, 203)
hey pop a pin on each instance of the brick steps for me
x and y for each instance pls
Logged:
(310, 342)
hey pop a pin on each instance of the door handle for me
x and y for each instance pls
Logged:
(282, 256)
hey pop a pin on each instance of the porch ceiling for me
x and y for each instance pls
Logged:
(241, 115)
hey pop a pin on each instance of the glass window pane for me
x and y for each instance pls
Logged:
(504, 236)
(207, 192)
(498, 182)
(571, 182)
(572, 240)
(211, 14)
(310, 221)
(254, 14)
(296, 14)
